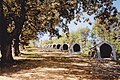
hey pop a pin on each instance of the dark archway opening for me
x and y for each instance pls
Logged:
(65, 47)
(76, 48)
(105, 50)
(54, 45)
(47, 46)
(58, 46)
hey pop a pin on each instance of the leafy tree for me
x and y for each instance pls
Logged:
(84, 34)
(6, 37)
(27, 34)
(109, 33)
(80, 36)
(44, 15)
(47, 42)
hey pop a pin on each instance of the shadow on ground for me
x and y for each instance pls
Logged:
(60, 67)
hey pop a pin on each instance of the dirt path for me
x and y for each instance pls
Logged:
(59, 66)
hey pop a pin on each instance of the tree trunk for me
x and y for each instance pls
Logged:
(16, 47)
(19, 22)
(5, 41)
(6, 51)
(22, 46)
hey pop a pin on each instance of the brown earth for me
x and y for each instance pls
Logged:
(49, 65)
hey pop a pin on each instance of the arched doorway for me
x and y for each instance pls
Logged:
(58, 46)
(65, 47)
(105, 50)
(76, 48)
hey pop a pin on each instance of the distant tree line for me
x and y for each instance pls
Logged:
(81, 36)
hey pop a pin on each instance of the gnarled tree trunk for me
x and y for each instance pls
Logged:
(6, 51)
(16, 46)
(19, 22)
(5, 40)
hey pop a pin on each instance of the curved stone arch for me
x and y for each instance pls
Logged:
(75, 48)
(45, 46)
(54, 46)
(65, 47)
(58, 46)
(107, 45)
(50, 46)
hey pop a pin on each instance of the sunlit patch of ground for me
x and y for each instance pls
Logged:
(59, 66)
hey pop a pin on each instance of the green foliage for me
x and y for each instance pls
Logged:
(80, 36)
(46, 42)
(28, 34)
(45, 15)
(109, 33)
(31, 43)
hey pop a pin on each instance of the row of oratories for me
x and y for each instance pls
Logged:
(66, 47)
(100, 51)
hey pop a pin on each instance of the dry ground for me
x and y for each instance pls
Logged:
(50, 65)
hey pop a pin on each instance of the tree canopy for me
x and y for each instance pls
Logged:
(80, 36)
(44, 15)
